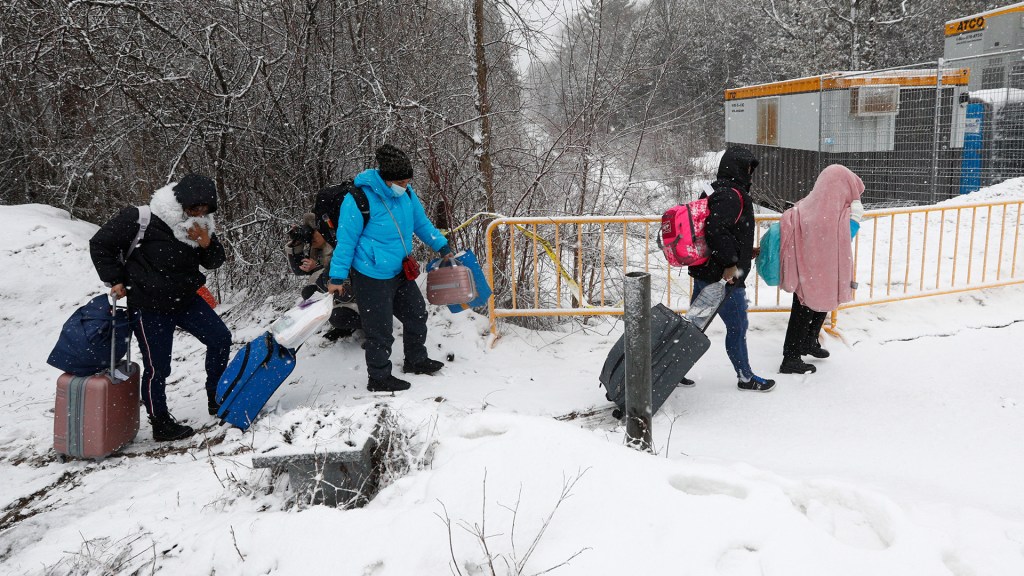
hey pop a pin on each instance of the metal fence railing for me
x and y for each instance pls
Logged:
(564, 267)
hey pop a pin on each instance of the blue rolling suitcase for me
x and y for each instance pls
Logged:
(251, 378)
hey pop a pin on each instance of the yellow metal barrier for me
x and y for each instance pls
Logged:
(993, 238)
(899, 254)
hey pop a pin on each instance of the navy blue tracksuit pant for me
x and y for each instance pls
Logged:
(378, 301)
(154, 330)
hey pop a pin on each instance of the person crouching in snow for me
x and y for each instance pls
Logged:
(160, 278)
(309, 251)
(378, 258)
(816, 261)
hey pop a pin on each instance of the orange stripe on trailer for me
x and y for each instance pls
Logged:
(979, 21)
(975, 24)
(812, 84)
(957, 77)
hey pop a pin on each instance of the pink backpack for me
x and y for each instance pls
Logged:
(682, 232)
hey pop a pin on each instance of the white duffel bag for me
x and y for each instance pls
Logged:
(302, 321)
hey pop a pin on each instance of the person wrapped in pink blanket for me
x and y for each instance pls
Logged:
(816, 261)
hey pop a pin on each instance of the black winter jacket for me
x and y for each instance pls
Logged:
(729, 228)
(162, 272)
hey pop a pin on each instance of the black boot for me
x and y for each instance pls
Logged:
(166, 429)
(212, 406)
(796, 366)
(389, 384)
(336, 333)
(817, 351)
(308, 291)
(426, 366)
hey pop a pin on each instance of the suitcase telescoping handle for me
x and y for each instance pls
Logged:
(113, 338)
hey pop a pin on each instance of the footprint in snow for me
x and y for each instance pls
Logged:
(702, 486)
(739, 561)
(852, 517)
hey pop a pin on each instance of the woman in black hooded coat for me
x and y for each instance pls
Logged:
(160, 278)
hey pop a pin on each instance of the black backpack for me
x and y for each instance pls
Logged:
(328, 206)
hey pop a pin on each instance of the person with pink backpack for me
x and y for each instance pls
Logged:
(729, 234)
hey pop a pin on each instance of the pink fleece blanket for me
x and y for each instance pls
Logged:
(815, 256)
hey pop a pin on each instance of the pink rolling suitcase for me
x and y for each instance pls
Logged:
(451, 284)
(95, 415)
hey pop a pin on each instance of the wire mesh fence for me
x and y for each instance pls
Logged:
(917, 134)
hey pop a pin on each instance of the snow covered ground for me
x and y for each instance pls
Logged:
(900, 456)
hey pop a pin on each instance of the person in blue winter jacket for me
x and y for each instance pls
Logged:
(377, 258)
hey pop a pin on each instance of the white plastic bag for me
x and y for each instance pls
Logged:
(302, 321)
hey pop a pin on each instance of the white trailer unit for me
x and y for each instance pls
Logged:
(991, 44)
(883, 125)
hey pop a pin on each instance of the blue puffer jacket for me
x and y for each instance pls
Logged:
(377, 251)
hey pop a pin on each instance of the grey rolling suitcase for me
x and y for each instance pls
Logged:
(676, 345)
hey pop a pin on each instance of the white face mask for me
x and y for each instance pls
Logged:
(398, 190)
(856, 211)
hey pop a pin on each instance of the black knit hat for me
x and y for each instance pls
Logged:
(194, 190)
(393, 163)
